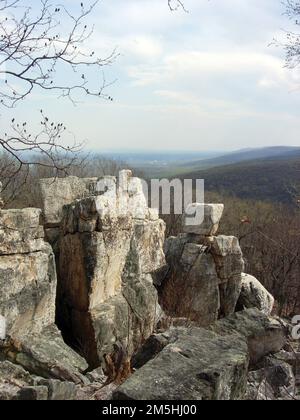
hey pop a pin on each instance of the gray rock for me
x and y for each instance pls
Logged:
(264, 335)
(191, 287)
(280, 376)
(229, 294)
(27, 273)
(203, 282)
(97, 375)
(110, 248)
(230, 264)
(291, 358)
(58, 390)
(273, 381)
(20, 232)
(197, 365)
(32, 393)
(258, 388)
(46, 355)
(203, 364)
(17, 384)
(210, 215)
(153, 346)
(54, 193)
(28, 289)
(254, 295)
(228, 256)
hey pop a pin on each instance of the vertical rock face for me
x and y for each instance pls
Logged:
(204, 278)
(27, 300)
(111, 244)
(27, 273)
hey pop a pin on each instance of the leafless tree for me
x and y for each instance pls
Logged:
(37, 46)
(292, 43)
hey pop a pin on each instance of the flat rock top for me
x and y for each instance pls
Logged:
(189, 368)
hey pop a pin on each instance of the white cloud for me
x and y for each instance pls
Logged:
(266, 69)
(202, 80)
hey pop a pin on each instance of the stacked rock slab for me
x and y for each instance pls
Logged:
(111, 244)
(28, 283)
(205, 271)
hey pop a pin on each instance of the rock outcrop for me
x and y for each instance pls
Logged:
(203, 282)
(94, 264)
(201, 364)
(28, 284)
(110, 246)
(27, 273)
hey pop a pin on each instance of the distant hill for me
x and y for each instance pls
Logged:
(279, 152)
(274, 179)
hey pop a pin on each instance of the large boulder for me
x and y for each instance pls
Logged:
(196, 365)
(54, 193)
(110, 247)
(204, 364)
(45, 354)
(191, 288)
(18, 384)
(264, 334)
(202, 219)
(254, 295)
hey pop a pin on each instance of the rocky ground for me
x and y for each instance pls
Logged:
(93, 300)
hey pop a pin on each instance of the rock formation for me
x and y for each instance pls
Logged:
(200, 364)
(203, 282)
(27, 272)
(94, 262)
(27, 303)
(110, 245)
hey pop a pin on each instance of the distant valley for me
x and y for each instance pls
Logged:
(267, 174)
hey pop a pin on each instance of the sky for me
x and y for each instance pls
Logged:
(209, 79)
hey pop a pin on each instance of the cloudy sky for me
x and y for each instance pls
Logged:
(202, 80)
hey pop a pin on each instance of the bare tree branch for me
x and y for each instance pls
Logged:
(34, 52)
(45, 48)
(292, 43)
(175, 5)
